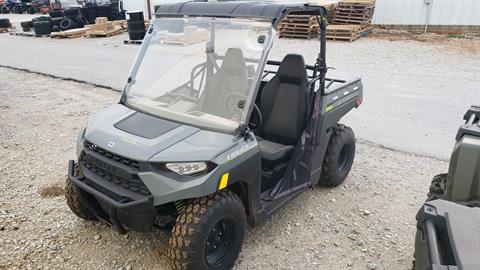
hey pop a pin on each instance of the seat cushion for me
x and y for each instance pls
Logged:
(274, 151)
(284, 102)
(463, 228)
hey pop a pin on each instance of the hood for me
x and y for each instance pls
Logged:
(142, 137)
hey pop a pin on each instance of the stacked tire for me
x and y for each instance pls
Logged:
(56, 14)
(31, 10)
(73, 19)
(4, 10)
(89, 12)
(42, 26)
(67, 24)
(5, 23)
(71, 13)
(27, 26)
(17, 9)
(58, 20)
(136, 25)
(105, 11)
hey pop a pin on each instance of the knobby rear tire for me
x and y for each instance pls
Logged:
(339, 157)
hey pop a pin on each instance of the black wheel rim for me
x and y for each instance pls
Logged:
(220, 241)
(345, 158)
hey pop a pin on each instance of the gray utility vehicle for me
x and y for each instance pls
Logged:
(448, 228)
(209, 133)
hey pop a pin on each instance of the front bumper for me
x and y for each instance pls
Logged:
(110, 206)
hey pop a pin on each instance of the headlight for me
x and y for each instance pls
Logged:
(187, 168)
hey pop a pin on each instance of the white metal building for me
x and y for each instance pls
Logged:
(431, 12)
(387, 12)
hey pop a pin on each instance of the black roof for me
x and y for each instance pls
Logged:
(261, 10)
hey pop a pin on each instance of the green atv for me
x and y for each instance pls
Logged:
(448, 225)
(210, 133)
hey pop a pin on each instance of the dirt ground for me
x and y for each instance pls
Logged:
(468, 43)
(367, 223)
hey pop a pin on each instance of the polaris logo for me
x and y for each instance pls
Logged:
(111, 144)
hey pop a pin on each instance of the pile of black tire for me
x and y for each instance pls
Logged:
(18, 8)
(92, 11)
(57, 21)
(89, 12)
(4, 9)
(5, 23)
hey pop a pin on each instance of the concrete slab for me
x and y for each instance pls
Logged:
(83, 59)
(415, 92)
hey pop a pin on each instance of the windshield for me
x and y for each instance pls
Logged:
(200, 71)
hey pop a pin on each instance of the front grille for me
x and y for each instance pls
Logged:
(134, 165)
(114, 175)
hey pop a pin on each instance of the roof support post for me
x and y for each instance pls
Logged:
(321, 64)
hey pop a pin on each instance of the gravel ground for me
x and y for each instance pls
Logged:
(367, 223)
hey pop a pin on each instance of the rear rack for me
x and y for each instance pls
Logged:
(332, 84)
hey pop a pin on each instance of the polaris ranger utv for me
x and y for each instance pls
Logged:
(209, 133)
(448, 225)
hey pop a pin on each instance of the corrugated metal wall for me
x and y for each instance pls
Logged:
(414, 12)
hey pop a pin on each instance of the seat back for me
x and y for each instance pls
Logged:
(230, 78)
(284, 102)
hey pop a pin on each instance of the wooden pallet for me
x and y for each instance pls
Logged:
(354, 12)
(352, 21)
(343, 32)
(300, 30)
(105, 33)
(354, 9)
(353, 16)
(328, 5)
(120, 23)
(298, 36)
(356, 3)
(299, 26)
(73, 33)
(105, 28)
(23, 34)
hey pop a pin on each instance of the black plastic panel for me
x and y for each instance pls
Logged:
(145, 126)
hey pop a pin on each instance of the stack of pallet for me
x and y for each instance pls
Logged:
(352, 19)
(329, 6)
(343, 32)
(354, 12)
(305, 26)
(299, 26)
